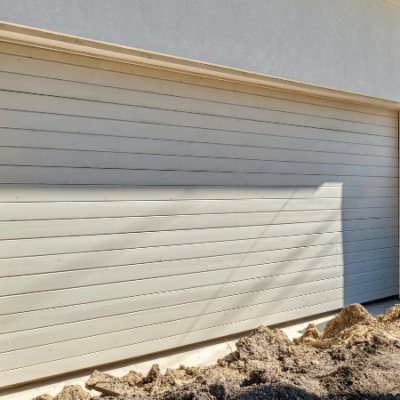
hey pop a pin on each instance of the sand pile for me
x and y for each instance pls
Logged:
(354, 325)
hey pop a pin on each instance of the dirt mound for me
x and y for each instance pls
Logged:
(392, 314)
(44, 397)
(352, 315)
(356, 356)
(73, 392)
(354, 325)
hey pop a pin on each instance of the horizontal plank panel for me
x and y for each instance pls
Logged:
(391, 272)
(222, 255)
(105, 193)
(144, 115)
(110, 79)
(128, 258)
(370, 212)
(60, 210)
(98, 358)
(64, 210)
(19, 358)
(77, 244)
(70, 314)
(103, 94)
(209, 288)
(351, 270)
(178, 340)
(363, 256)
(63, 175)
(106, 308)
(82, 108)
(67, 227)
(120, 144)
(150, 316)
(33, 301)
(158, 131)
(149, 121)
(44, 336)
(65, 280)
(86, 159)
(284, 235)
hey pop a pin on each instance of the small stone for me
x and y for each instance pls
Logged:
(99, 377)
(108, 385)
(132, 378)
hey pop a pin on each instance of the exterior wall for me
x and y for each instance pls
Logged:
(142, 210)
(347, 45)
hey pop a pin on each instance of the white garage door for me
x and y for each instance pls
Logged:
(140, 214)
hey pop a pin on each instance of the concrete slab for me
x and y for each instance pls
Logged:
(202, 354)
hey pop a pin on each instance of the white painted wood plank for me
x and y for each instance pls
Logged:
(100, 159)
(64, 175)
(53, 334)
(104, 193)
(268, 138)
(66, 227)
(82, 91)
(98, 358)
(65, 210)
(40, 300)
(77, 244)
(370, 255)
(145, 115)
(392, 272)
(131, 351)
(131, 145)
(205, 288)
(128, 258)
(87, 277)
(20, 358)
(261, 235)
(291, 102)
(363, 297)
(44, 336)
(100, 309)
(66, 280)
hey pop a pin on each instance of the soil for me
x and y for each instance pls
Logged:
(356, 356)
